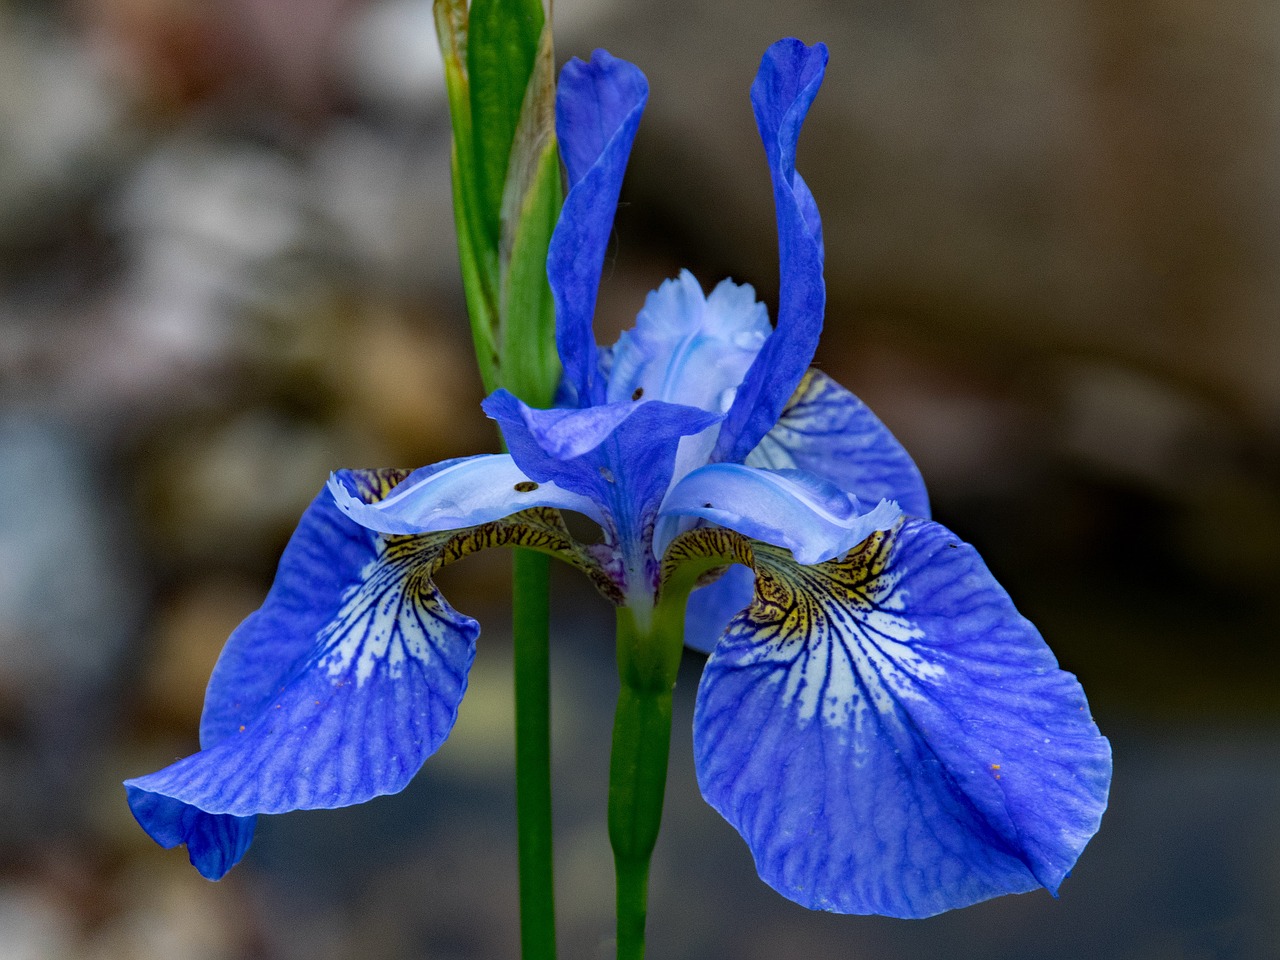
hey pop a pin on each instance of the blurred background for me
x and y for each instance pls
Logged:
(227, 267)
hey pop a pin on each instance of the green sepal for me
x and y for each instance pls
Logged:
(477, 252)
(530, 208)
(502, 48)
(500, 78)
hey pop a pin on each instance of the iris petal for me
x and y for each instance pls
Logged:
(788, 80)
(890, 736)
(339, 687)
(692, 349)
(560, 433)
(598, 108)
(374, 693)
(809, 516)
(323, 558)
(826, 430)
(688, 347)
(626, 472)
(460, 493)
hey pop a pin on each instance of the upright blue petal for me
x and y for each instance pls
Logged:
(334, 692)
(827, 431)
(890, 736)
(789, 77)
(598, 108)
(690, 349)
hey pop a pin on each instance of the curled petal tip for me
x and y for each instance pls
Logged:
(596, 101)
(215, 842)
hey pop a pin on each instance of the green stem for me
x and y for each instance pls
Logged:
(531, 633)
(637, 781)
(648, 658)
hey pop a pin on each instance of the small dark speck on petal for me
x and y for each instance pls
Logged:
(638, 393)
(706, 506)
(526, 486)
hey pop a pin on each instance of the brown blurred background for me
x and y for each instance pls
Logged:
(227, 267)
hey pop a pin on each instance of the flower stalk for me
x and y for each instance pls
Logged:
(499, 70)
(649, 645)
(637, 781)
(531, 638)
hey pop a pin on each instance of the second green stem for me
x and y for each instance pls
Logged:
(531, 641)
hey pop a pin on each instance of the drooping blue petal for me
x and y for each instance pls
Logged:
(809, 516)
(710, 608)
(598, 108)
(785, 86)
(889, 735)
(826, 430)
(629, 467)
(332, 693)
(461, 493)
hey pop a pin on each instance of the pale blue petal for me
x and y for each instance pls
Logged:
(890, 736)
(711, 607)
(789, 77)
(334, 692)
(690, 348)
(827, 431)
(598, 108)
(809, 516)
(463, 493)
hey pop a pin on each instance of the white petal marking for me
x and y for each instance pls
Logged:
(839, 660)
(382, 620)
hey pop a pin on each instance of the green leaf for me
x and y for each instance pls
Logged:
(530, 207)
(477, 253)
(502, 47)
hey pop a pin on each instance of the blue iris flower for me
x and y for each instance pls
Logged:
(885, 730)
